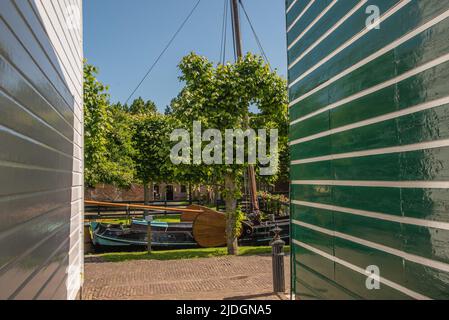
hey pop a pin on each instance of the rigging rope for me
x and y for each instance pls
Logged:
(259, 43)
(163, 51)
(224, 32)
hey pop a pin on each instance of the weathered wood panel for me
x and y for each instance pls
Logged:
(209, 228)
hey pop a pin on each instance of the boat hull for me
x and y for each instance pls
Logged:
(163, 235)
(262, 234)
(181, 235)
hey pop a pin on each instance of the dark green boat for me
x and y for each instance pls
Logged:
(163, 235)
(177, 235)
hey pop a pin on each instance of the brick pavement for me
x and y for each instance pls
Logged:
(233, 278)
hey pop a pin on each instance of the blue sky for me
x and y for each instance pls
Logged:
(124, 37)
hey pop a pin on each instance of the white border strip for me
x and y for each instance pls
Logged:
(348, 265)
(404, 76)
(354, 39)
(300, 15)
(376, 184)
(291, 6)
(328, 32)
(404, 255)
(375, 55)
(382, 118)
(374, 152)
(376, 215)
(318, 18)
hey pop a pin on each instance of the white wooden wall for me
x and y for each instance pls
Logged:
(41, 149)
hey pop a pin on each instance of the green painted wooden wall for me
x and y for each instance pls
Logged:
(369, 140)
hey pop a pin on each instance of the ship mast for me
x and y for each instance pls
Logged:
(252, 186)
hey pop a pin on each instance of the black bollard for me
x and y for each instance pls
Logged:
(278, 261)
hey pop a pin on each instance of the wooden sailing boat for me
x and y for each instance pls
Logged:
(209, 227)
(201, 226)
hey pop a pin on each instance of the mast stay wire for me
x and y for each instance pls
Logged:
(224, 32)
(259, 43)
(164, 50)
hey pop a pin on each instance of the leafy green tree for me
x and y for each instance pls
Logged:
(107, 142)
(96, 127)
(220, 97)
(151, 142)
(139, 106)
(120, 147)
(282, 175)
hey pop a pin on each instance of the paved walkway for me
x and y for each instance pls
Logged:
(233, 278)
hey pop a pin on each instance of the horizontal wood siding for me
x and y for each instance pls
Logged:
(41, 149)
(369, 141)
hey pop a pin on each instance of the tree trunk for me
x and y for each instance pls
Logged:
(210, 195)
(190, 194)
(163, 192)
(195, 193)
(216, 193)
(151, 191)
(231, 206)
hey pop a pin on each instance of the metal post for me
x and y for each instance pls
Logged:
(149, 219)
(128, 214)
(149, 237)
(278, 262)
(190, 194)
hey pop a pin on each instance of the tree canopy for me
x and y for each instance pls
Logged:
(140, 106)
(220, 98)
(151, 142)
(107, 139)
(132, 144)
(112, 151)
